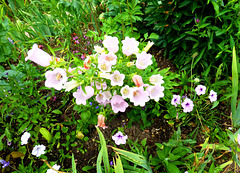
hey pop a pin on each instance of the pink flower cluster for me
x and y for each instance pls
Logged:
(105, 81)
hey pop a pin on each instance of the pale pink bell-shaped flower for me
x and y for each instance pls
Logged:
(70, 85)
(175, 100)
(56, 78)
(111, 43)
(126, 92)
(39, 56)
(110, 58)
(81, 97)
(107, 95)
(143, 60)
(139, 96)
(38, 150)
(137, 80)
(200, 90)
(100, 98)
(238, 138)
(130, 46)
(56, 167)
(187, 105)
(156, 92)
(105, 67)
(212, 96)
(118, 104)
(101, 86)
(119, 138)
(156, 79)
(117, 78)
(101, 121)
(25, 137)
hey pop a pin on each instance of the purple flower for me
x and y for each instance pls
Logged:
(10, 40)
(187, 105)
(213, 96)
(97, 107)
(9, 143)
(75, 38)
(119, 138)
(76, 42)
(200, 90)
(197, 20)
(4, 163)
(88, 42)
(111, 163)
(175, 100)
(90, 103)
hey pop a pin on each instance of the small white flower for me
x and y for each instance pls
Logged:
(57, 167)
(213, 96)
(99, 49)
(38, 150)
(25, 137)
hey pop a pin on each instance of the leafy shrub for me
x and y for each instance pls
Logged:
(202, 31)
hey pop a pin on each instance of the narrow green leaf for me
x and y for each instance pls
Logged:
(56, 111)
(135, 158)
(235, 118)
(104, 151)
(74, 169)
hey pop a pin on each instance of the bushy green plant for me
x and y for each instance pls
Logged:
(204, 31)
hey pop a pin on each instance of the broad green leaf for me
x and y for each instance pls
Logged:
(153, 36)
(46, 134)
(118, 167)
(16, 154)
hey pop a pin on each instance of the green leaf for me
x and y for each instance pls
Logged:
(216, 7)
(172, 168)
(23, 127)
(74, 169)
(135, 158)
(118, 167)
(235, 117)
(104, 153)
(8, 134)
(153, 36)
(46, 134)
(56, 111)
(215, 104)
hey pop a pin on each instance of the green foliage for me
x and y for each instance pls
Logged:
(205, 31)
(5, 44)
(172, 154)
(121, 18)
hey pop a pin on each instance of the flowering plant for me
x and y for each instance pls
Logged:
(117, 76)
(193, 104)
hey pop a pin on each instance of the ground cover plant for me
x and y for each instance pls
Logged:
(119, 86)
